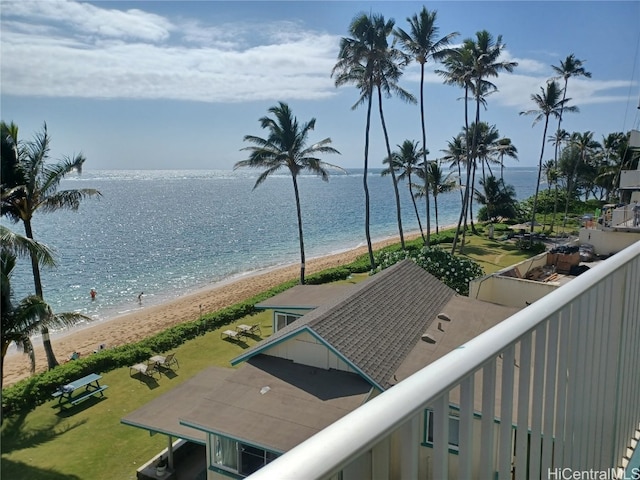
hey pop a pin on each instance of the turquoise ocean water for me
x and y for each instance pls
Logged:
(167, 233)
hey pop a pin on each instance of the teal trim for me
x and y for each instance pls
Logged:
(309, 330)
(344, 359)
(430, 445)
(235, 439)
(284, 308)
(256, 351)
(153, 431)
(224, 472)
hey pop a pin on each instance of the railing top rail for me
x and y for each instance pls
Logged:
(331, 449)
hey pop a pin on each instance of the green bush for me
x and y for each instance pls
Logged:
(527, 245)
(455, 272)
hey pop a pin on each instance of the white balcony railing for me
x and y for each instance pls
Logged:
(566, 370)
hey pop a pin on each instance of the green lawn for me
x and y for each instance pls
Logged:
(89, 442)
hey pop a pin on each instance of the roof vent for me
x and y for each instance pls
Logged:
(444, 316)
(428, 339)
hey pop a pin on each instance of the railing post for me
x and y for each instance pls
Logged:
(409, 447)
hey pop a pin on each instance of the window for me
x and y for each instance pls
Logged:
(284, 319)
(454, 430)
(253, 459)
(225, 452)
(238, 457)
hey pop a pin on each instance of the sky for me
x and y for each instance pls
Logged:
(178, 84)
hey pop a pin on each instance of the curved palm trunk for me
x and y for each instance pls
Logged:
(367, 214)
(46, 341)
(535, 197)
(393, 173)
(424, 157)
(300, 238)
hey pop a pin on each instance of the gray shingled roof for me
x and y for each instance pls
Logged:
(375, 325)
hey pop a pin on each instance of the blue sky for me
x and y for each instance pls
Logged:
(177, 84)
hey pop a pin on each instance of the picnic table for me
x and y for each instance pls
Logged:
(91, 384)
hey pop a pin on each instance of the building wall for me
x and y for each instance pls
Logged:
(305, 349)
(608, 242)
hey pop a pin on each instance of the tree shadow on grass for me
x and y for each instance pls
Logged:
(71, 410)
(12, 469)
(15, 435)
(476, 250)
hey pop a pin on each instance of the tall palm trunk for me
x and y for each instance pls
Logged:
(435, 207)
(570, 187)
(367, 213)
(393, 173)
(555, 156)
(535, 197)
(471, 169)
(415, 208)
(46, 341)
(299, 212)
(424, 156)
(465, 197)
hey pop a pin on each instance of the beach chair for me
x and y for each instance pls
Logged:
(147, 369)
(165, 362)
(249, 329)
(230, 335)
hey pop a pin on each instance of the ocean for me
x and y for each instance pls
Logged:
(170, 232)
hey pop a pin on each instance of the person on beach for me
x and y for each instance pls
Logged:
(74, 356)
(140, 298)
(93, 293)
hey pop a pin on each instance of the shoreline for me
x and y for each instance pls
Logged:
(147, 321)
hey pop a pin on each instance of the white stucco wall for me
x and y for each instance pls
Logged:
(608, 242)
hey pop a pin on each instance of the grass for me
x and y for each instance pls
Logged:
(88, 440)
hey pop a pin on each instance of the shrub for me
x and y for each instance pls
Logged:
(533, 246)
(455, 272)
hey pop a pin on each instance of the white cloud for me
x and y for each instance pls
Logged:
(208, 65)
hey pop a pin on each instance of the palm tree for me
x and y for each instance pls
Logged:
(497, 198)
(455, 154)
(549, 103)
(423, 44)
(480, 61)
(503, 148)
(36, 189)
(286, 148)
(356, 65)
(585, 145)
(31, 314)
(571, 67)
(406, 162)
(438, 183)
(368, 61)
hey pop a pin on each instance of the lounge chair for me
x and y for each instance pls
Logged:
(147, 369)
(249, 329)
(165, 362)
(230, 335)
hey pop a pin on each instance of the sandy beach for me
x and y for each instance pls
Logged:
(149, 321)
